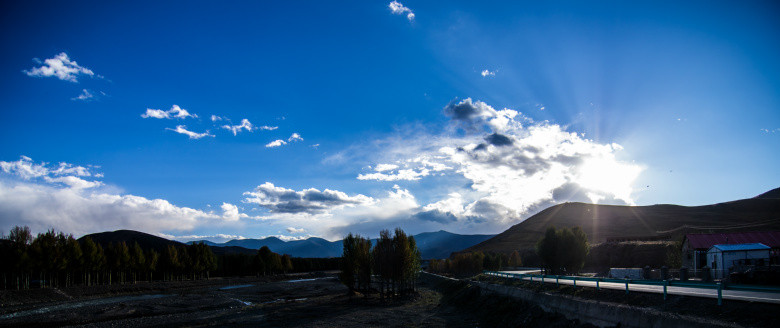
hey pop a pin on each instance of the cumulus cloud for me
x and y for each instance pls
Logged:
(268, 128)
(64, 174)
(295, 230)
(230, 212)
(399, 9)
(215, 118)
(66, 197)
(85, 95)
(276, 143)
(61, 67)
(193, 135)
(512, 166)
(474, 116)
(283, 200)
(488, 73)
(409, 170)
(245, 124)
(338, 213)
(174, 112)
(294, 137)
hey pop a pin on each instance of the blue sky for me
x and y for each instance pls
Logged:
(365, 115)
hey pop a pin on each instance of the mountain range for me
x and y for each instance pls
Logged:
(437, 245)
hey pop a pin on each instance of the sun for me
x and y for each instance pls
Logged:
(608, 176)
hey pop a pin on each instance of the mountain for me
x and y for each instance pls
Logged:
(438, 244)
(656, 222)
(145, 240)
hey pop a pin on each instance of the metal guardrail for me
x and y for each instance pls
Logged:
(665, 283)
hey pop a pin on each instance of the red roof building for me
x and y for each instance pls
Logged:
(695, 246)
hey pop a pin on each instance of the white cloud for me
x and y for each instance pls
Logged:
(268, 128)
(295, 230)
(283, 200)
(217, 238)
(414, 169)
(43, 196)
(74, 182)
(385, 167)
(488, 73)
(478, 116)
(174, 112)
(275, 143)
(60, 66)
(399, 9)
(405, 174)
(294, 137)
(230, 212)
(512, 167)
(453, 204)
(63, 174)
(193, 135)
(215, 118)
(245, 124)
(85, 95)
(333, 219)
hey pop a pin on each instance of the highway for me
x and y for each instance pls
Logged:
(751, 296)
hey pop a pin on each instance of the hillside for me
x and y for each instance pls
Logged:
(772, 194)
(440, 244)
(656, 222)
(147, 241)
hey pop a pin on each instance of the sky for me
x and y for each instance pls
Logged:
(247, 119)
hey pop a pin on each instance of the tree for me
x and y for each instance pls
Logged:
(137, 260)
(382, 254)
(356, 263)
(75, 258)
(547, 248)
(287, 265)
(152, 260)
(563, 250)
(349, 268)
(514, 259)
(170, 261)
(21, 238)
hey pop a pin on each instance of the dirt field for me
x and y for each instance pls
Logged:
(289, 301)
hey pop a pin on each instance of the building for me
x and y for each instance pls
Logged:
(695, 246)
(724, 259)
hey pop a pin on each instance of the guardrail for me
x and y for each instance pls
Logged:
(719, 286)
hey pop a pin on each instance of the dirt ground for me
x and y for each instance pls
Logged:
(283, 301)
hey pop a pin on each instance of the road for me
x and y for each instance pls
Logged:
(751, 296)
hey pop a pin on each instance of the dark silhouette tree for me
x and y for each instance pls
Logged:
(514, 259)
(563, 250)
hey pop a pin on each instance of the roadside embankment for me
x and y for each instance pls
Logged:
(598, 313)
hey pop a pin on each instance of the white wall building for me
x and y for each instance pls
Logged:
(722, 258)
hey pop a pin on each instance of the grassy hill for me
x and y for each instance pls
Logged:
(657, 222)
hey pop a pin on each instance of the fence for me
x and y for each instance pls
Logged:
(719, 286)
